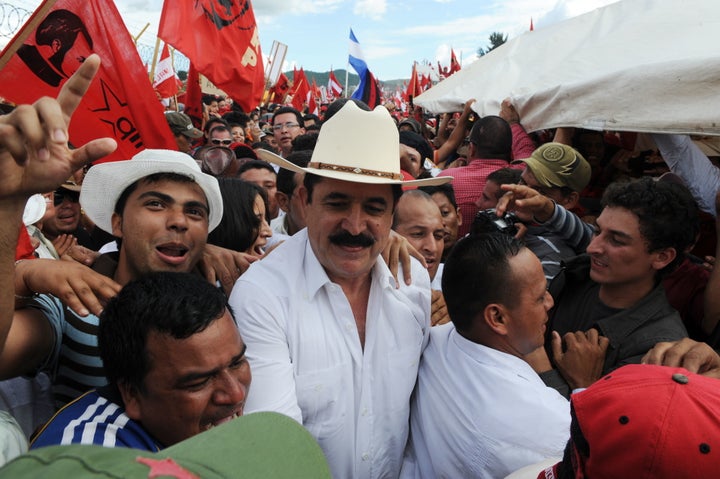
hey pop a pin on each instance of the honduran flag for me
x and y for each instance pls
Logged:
(368, 89)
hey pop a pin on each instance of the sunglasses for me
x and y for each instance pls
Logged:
(216, 141)
(60, 196)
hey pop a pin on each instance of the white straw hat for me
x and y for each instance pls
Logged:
(34, 209)
(104, 183)
(359, 146)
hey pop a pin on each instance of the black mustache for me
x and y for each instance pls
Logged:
(346, 239)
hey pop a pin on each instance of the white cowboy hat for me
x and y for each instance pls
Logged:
(104, 183)
(359, 146)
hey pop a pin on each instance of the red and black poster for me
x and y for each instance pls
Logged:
(220, 38)
(120, 103)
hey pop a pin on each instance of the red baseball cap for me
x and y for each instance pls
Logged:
(644, 422)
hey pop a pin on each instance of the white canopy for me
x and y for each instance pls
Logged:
(635, 65)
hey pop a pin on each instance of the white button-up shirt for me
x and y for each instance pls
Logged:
(480, 413)
(307, 360)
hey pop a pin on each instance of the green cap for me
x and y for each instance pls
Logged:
(264, 444)
(558, 165)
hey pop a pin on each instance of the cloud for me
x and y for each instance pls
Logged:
(273, 8)
(370, 8)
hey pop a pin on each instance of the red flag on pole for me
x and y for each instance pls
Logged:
(280, 89)
(413, 88)
(334, 86)
(166, 83)
(532, 27)
(193, 97)
(221, 39)
(120, 102)
(300, 90)
(454, 64)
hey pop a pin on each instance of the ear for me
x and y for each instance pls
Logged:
(56, 45)
(282, 200)
(495, 316)
(459, 216)
(116, 222)
(302, 191)
(472, 148)
(570, 201)
(131, 398)
(663, 258)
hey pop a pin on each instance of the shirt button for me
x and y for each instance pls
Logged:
(364, 412)
(365, 457)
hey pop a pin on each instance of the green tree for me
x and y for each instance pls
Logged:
(496, 39)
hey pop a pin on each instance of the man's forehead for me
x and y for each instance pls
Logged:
(163, 184)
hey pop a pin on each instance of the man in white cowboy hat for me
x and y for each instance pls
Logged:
(333, 340)
(160, 206)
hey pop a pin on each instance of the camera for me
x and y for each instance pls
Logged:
(487, 221)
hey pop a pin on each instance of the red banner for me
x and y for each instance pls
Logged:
(120, 102)
(166, 83)
(221, 39)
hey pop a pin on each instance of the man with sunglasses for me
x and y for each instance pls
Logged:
(220, 136)
(63, 215)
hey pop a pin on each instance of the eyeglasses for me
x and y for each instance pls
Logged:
(217, 141)
(288, 125)
(60, 196)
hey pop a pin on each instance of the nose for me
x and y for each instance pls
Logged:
(595, 246)
(265, 230)
(355, 222)
(177, 220)
(549, 301)
(231, 387)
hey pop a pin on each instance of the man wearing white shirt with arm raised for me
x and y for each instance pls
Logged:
(333, 341)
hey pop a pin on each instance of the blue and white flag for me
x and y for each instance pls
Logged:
(368, 90)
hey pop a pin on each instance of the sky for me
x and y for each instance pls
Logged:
(392, 33)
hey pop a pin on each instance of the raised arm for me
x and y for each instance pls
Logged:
(35, 158)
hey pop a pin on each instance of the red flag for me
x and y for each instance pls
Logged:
(334, 86)
(301, 90)
(532, 28)
(221, 39)
(166, 83)
(454, 64)
(120, 102)
(193, 97)
(311, 96)
(280, 89)
(413, 88)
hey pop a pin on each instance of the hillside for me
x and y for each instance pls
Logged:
(321, 78)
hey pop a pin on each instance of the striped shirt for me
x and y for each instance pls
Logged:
(95, 419)
(74, 365)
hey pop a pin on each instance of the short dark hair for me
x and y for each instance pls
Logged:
(286, 178)
(62, 25)
(666, 212)
(174, 304)
(311, 180)
(492, 137)
(220, 128)
(239, 227)
(213, 121)
(256, 165)
(288, 109)
(306, 141)
(445, 188)
(506, 176)
(477, 273)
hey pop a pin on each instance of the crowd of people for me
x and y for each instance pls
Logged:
(449, 298)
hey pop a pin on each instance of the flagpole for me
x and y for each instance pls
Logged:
(136, 38)
(347, 76)
(25, 31)
(154, 60)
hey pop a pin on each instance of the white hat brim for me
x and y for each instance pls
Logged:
(271, 157)
(104, 183)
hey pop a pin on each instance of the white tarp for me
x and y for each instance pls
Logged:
(635, 65)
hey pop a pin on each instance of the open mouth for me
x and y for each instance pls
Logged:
(172, 253)
(223, 420)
